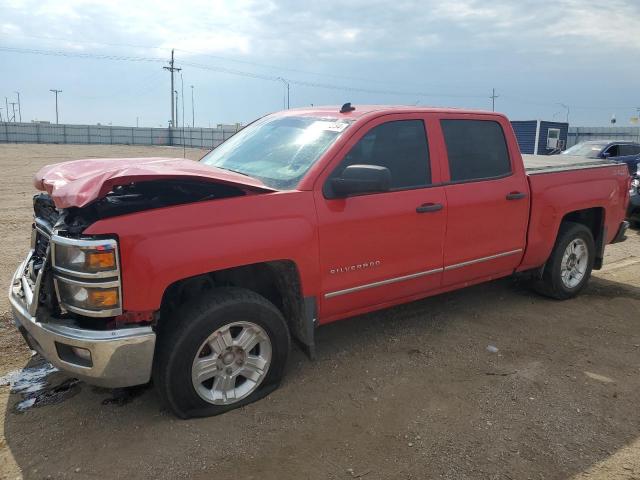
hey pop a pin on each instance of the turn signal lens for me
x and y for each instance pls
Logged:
(103, 298)
(101, 260)
(85, 255)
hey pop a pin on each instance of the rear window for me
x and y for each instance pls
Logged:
(476, 149)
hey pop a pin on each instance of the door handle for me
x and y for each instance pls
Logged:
(429, 207)
(516, 196)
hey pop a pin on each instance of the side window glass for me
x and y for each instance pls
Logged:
(476, 149)
(613, 151)
(628, 150)
(401, 146)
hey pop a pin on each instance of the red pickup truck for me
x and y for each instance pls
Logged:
(197, 274)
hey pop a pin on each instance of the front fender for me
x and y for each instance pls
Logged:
(160, 247)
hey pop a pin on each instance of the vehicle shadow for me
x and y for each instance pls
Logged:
(407, 392)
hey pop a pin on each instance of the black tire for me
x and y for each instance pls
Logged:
(190, 326)
(551, 284)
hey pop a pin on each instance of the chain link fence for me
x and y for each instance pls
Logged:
(583, 134)
(110, 135)
(206, 137)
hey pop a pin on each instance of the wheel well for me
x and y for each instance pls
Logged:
(593, 219)
(277, 281)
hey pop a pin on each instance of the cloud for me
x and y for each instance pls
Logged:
(362, 28)
(552, 49)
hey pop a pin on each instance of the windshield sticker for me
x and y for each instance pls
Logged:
(329, 126)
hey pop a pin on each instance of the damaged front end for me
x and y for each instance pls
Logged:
(147, 195)
(66, 295)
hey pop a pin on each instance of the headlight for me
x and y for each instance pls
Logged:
(87, 275)
(88, 258)
(635, 185)
(93, 300)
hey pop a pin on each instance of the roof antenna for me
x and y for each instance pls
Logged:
(347, 108)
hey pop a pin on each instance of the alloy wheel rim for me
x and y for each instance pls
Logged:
(231, 363)
(574, 263)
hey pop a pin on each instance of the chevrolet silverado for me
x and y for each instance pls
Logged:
(196, 275)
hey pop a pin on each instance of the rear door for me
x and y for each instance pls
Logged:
(487, 199)
(379, 248)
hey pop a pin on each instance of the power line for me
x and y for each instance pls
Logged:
(231, 71)
(217, 57)
(328, 86)
(98, 56)
(268, 77)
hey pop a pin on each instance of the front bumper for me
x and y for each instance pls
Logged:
(118, 358)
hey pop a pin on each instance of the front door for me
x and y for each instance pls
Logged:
(379, 248)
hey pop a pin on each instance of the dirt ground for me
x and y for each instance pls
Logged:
(406, 393)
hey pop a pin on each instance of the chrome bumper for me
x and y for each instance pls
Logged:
(119, 358)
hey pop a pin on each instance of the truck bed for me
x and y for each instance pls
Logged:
(536, 164)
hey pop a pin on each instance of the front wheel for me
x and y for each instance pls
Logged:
(226, 351)
(569, 267)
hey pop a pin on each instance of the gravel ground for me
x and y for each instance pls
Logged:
(406, 393)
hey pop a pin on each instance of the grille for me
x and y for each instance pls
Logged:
(45, 217)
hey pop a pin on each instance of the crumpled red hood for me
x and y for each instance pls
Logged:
(79, 182)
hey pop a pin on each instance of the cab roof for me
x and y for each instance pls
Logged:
(359, 111)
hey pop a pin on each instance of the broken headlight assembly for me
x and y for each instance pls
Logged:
(87, 275)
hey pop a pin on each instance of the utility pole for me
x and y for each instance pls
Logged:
(6, 104)
(193, 110)
(184, 144)
(56, 92)
(286, 98)
(137, 122)
(176, 124)
(19, 109)
(172, 69)
(493, 99)
(1, 115)
(13, 109)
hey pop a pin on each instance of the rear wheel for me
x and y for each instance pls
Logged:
(569, 267)
(224, 352)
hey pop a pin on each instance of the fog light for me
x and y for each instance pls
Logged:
(82, 353)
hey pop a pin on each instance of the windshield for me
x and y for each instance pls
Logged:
(277, 150)
(586, 149)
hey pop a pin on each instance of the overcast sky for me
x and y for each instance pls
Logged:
(106, 57)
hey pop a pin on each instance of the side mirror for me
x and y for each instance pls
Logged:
(356, 179)
(606, 155)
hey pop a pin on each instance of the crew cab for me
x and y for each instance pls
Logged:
(198, 274)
